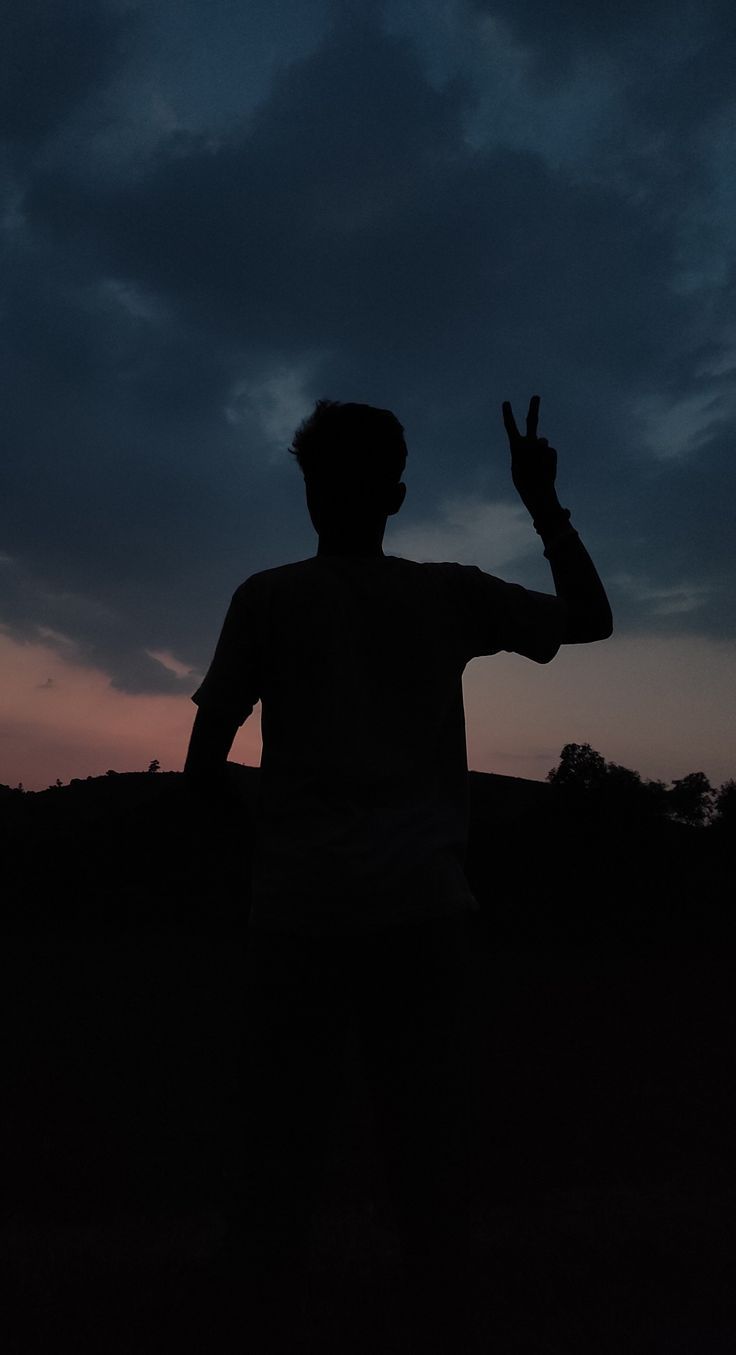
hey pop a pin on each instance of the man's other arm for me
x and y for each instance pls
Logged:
(226, 697)
(211, 740)
(206, 769)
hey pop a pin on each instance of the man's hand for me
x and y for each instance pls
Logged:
(533, 462)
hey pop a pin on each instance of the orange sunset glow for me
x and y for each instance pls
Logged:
(657, 705)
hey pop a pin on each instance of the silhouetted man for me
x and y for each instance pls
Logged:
(362, 917)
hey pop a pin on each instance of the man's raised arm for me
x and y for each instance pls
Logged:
(587, 612)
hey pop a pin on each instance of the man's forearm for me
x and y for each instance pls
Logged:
(575, 577)
(205, 769)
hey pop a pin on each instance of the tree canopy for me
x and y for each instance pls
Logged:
(583, 774)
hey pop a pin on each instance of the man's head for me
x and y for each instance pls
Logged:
(352, 458)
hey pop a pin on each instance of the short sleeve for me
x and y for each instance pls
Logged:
(232, 683)
(495, 615)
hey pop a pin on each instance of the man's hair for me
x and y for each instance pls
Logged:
(358, 441)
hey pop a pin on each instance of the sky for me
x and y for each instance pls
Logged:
(214, 214)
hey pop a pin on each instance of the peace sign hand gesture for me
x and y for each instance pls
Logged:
(533, 461)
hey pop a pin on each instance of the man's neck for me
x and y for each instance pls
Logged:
(350, 550)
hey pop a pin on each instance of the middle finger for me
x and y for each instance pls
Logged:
(532, 417)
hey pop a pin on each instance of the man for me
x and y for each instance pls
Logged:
(362, 917)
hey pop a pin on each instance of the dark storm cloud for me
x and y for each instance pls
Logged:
(52, 56)
(352, 214)
(687, 48)
(347, 219)
(114, 465)
(319, 201)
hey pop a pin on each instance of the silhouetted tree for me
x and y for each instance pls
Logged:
(585, 777)
(690, 799)
(624, 790)
(724, 815)
(580, 767)
(154, 766)
(655, 794)
(623, 780)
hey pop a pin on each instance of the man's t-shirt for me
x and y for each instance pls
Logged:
(358, 661)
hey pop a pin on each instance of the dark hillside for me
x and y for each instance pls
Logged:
(136, 850)
(605, 999)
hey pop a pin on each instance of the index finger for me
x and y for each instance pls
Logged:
(532, 417)
(509, 422)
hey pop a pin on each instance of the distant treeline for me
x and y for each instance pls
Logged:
(592, 851)
(583, 776)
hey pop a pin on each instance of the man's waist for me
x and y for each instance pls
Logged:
(433, 890)
(362, 865)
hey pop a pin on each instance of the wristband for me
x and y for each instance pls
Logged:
(566, 535)
(559, 531)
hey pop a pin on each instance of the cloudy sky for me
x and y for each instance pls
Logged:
(215, 213)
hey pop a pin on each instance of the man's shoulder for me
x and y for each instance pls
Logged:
(264, 581)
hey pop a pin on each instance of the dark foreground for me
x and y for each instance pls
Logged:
(611, 1272)
(606, 1216)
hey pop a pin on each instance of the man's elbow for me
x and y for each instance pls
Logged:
(587, 635)
(604, 627)
(586, 629)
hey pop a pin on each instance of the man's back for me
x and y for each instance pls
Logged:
(358, 663)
